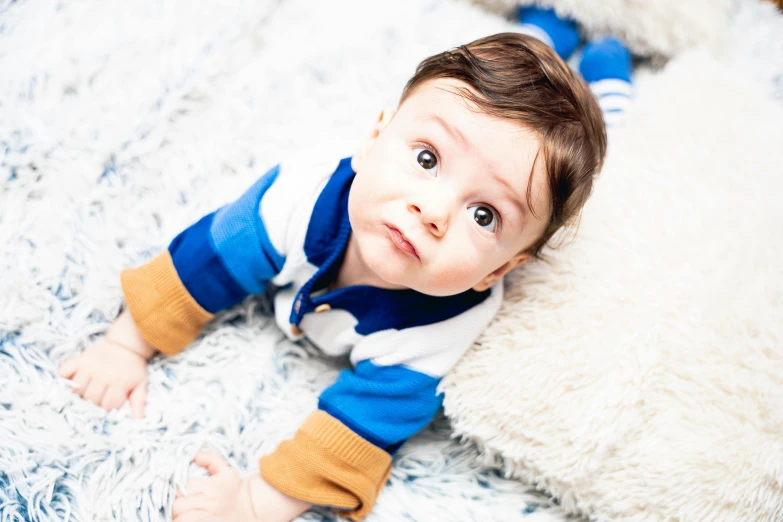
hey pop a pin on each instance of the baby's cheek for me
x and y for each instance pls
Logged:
(456, 275)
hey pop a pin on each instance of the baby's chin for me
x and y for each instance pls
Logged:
(431, 287)
(393, 274)
(412, 278)
(440, 286)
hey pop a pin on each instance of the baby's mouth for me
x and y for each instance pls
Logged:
(401, 242)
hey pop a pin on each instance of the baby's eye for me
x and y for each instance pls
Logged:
(426, 159)
(484, 216)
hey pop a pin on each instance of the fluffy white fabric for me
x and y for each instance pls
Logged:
(638, 375)
(661, 28)
(122, 122)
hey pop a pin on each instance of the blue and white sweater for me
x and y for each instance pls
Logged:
(291, 229)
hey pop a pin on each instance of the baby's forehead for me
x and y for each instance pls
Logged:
(446, 100)
(439, 93)
(500, 148)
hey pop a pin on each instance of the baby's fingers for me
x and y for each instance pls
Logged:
(183, 504)
(80, 382)
(95, 391)
(194, 515)
(113, 398)
(212, 461)
(137, 399)
(68, 368)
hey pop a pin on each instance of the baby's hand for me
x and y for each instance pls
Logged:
(107, 374)
(224, 496)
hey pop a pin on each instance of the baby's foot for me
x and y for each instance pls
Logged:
(606, 67)
(559, 33)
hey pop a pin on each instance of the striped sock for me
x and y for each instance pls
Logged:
(558, 33)
(606, 66)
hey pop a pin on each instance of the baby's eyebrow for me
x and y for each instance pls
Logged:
(450, 129)
(512, 196)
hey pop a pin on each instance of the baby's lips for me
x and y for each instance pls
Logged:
(402, 242)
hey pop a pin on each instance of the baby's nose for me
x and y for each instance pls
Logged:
(431, 216)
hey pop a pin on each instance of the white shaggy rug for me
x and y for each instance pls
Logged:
(122, 122)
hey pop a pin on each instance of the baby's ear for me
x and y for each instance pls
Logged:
(491, 278)
(364, 149)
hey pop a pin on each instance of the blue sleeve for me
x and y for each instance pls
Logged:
(385, 405)
(227, 255)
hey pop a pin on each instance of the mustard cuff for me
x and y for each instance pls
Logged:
(328, 464)
(164, 311)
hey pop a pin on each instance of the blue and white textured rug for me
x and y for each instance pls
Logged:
(123, 122)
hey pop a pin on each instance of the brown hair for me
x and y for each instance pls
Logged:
(517, 77)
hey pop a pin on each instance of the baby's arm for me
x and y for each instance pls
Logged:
(208, 267)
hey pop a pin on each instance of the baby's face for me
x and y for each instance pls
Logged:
(439, 200)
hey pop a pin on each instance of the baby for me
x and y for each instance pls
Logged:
(394, 256)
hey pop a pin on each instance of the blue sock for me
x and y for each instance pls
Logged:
(562, 33)
(606, 67)
(605, 58)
